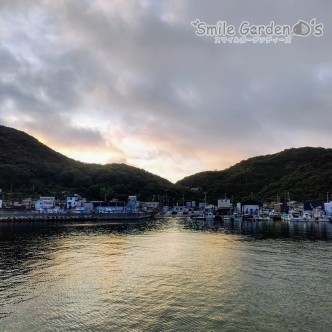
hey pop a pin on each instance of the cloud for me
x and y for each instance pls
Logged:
(131, 80)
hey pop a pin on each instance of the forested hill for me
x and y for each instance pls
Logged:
(306, 173)
(30, 167)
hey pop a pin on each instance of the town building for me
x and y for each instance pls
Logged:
(250, 207)
(151, 206)
(328, 208)
(75, 201)
(133, 203)
(45, 203)
(225, 206)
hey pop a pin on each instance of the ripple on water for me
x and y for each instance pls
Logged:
(163, 278)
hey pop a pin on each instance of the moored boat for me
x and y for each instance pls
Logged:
(201, 215)
(295, 216)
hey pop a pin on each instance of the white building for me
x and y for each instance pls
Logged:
(328, 208)
(133, 203)
(190, 204)
(225, 206)
(75, 201)
(151, 205)
(202, 205)
(224, 203)
(250, 207)
(0, 203)
(45, 203)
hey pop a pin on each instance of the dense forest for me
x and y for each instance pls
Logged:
(28, 167)
(302, 174)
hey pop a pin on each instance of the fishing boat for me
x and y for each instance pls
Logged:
(319, 215)
(294, 216)
(201, 215)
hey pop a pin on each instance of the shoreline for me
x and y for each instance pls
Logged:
(44, 217)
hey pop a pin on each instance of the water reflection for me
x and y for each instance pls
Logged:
(169, 275)
(266, 229)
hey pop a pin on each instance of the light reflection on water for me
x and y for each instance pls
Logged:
(169, 276)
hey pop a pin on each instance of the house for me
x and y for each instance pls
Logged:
(190, 204)
(133, 203)
(75, 201)
(151, 206)
(202, 205)
(28, 203)
(92, 205)
(45, 203)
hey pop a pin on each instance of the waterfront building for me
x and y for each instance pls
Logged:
(225, 206)
(133, 203)
(75, 201)
(328, 208)
(150, 206)
(44, 203)
(250, 207)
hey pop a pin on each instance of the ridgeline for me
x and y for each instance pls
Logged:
(28, 167)
(304, 173)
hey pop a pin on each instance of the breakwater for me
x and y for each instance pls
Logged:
(30, 216)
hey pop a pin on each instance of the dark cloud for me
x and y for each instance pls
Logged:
(138, 67)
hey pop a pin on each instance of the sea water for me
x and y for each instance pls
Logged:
(166, 275)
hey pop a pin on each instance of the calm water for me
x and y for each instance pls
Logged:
(169, 276)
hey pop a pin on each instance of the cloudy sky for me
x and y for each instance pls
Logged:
(129, 81)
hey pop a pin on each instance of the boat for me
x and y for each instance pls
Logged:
(275, 216)
(294, 216)
(318, 215)
(201, 215)
(262, 217)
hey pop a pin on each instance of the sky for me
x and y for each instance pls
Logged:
(132, 81)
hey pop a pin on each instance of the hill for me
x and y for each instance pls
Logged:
(30, 167)
(304, 173)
